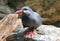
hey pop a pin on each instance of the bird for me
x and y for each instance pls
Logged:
(30, 19)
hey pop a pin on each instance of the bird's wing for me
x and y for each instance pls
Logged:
(37, 15)
(36, 18)
(42, 19)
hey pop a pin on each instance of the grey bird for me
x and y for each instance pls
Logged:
(30, 19)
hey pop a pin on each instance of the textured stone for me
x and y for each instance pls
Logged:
(7, 25)
(43, 33)
(4, 9)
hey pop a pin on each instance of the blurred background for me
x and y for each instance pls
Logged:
(46, 8)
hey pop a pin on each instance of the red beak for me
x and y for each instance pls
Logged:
(19, 11)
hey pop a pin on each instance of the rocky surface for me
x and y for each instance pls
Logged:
(43, 33)
(4, 9)
(7, 25)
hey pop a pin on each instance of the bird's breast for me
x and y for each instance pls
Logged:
(31, 21)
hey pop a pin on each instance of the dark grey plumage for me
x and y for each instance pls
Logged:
(31, 18)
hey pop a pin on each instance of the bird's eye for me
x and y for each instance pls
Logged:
(25, 9)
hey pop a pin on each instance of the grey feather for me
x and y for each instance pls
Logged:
(31, 18)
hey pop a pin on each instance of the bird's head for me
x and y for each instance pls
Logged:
(20, 12)
(26, 8)
(23, 10)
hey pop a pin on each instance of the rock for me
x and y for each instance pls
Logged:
(48, 29)
(7, 25)
(4, 9)
(3, 2)
(43, 33)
